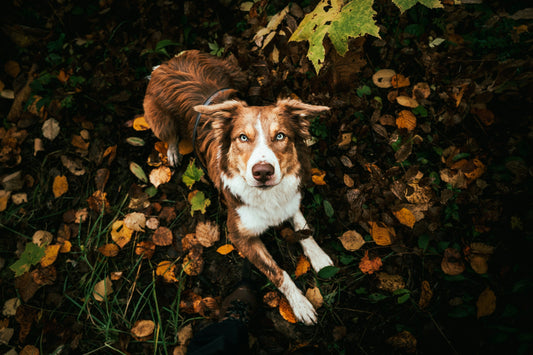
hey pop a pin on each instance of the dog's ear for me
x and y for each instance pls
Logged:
(298, 108)
(225, 109)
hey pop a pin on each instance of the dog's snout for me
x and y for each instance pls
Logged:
(262, 171)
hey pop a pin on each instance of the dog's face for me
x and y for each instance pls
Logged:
(260, 144)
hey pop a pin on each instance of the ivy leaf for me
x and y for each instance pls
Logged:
(192, 174)
(405, 5)
(32, 255)
(339, 22)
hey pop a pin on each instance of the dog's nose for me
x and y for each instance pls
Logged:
(262, 171)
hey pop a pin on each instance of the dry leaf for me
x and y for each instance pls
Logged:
(184, 336)
(400, 81)
(66, 245)
(369, 266)
(225, 249)
(381, 234)
(318, 176)
(207, 233)
(406, 119)
(167, 270)
(152, 223)
(60, 185)
(42, 238)
(389, 283)
(185, 147)
(421, 91)
(143, 329)
(406, 217)
(452, 262)
(12, 68)
(193, 263)
(75, 166)
(19, 198)
(425, 295)
(351, 240)
(140, 124)
(80, 216)
(286, 311)
(102, 289)
(383, 78)
(50, 255)
(160, 176)
(403, 341)
(29, 350)
(135, 221)
(348, 181)
(10, 307)
(162, 237)
(120, 233)
(4, 198)
(116, 275)
(486, 303)
(315, 297)
(50, 129)
(109, 250)
(98, 202)
(44, 275)
(302, 266)
(407, 101)
(271, 299)
(189, 241)
(100, 179)
(145, 248)
(78, 142)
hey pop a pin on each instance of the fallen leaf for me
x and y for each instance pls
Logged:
(369, 266)
(348, 181)
(116, 275)
(135, 141)
(383, 78)
(102, 289)
(302, 266)
(193, 263)
(146, 248)
(42, 238)
(138, 172)
(50, 129)
(207, 233)
(318, 176)
(50, 255)
(98, 202)
(135, 221)
(75, 166)
(389, 283)
(160, 176)
(198, 201)
(452, 262)
(29, 350)
(421, 91)
(400, 81)
(406, 119)
(140, 124)
(66, 245)
(120, 233)
(109, 250)
(185, 146)
(381, 234)
(162, 236)
(315, 297)
(167, 270)
(5, 337)
(486, 303)
(10, 307)
(60, 185)
(192, 174)
(81, 215)
(19, 198)
(406, 217)
(286, 311)
(225, 249)
(425, 295)
(403, 341)
(4, 198)
(44, 275)
(407, 101)
(78, 142)
(351, 240)
(184, 336)
(271, 299)
(12, 68)
(110, 153)
(26, 287)
(152, 223)
(101, 177)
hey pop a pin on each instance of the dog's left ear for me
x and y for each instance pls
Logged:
(298, 108)
(225, 109)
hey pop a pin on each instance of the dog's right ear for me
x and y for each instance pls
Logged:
(224, 110)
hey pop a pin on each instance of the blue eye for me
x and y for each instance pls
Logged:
(280, 136)
(243, 138)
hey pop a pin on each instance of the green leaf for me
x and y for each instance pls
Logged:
(363, 90)
(31, 255)
(405, 5)
(376, 297)
(403, 298)
(328, 208)
(138, 172)
(328, 272)
(192, 174)
(165, 43)
(339, 22)
(199, 202)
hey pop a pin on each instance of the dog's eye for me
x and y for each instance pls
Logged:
(243, 138)
(280, 136)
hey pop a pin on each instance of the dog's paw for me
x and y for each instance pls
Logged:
(303, 310)
(174, 157)
(317, 257)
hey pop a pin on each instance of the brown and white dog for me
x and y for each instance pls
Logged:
(255, 156)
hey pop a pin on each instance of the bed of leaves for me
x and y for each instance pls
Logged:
(421, 185)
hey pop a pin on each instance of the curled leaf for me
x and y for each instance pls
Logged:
(167, 270)
(369, 266)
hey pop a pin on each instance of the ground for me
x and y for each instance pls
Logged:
(421, 189)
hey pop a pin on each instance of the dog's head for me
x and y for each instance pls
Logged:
(260, 144)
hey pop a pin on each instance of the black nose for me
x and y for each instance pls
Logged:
(262, 171)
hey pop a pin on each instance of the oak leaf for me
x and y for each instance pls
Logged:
(60, 185)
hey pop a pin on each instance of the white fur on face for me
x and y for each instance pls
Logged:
(264, 208)
(262, 154)
(303, 309)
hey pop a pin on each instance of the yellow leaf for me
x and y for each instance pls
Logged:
(406, 119)
(140, 124)
(143, 329)
(66, 246)
(406, 217)
(167, 270)
(302, 267)
(318, 176)
(109, 250)
(120, 234)
(50, 255)
(60, 185)
(486, 303)
(382, 235)
(351, 240)
(225, 249)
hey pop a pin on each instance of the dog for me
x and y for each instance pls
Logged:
(256, 156)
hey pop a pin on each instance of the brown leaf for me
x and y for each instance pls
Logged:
(98, 202)
(29, 350)
(348, 181)
(425, 295)
(79, 142)
(400, 81)
(185, 147)
(381, 234)
(102, 175)
(286, 311)
(75, 166)
(271, 299)
(383, 78)
(421, 91)
(486, 303)
(145, 248)
(389, 283)
(369, 266)
(302, 266)
(452, 262)
(207, 233)
(406, 217)
(135, 221)
(4, 198)
(407, 101)
(109, 250)
(167, 270)
(60, 185)
(403, 341)
(189, 302)
(315, 297)
(160, 175)
(406, 119)
(42, 238)
(143, 330)
(26, 286)
(351, 240)
(193, 263)
(162, 236)
(102, 289)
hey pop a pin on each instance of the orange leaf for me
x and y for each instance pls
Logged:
(120, 234)
(369, 266)
(477, 172)
(381, 234)
(406, 119)
(318, 176)
(406, 217)
(225, 249)
(63, 76)
(486, 303)
(167, 270)
(286, 311)
(302, 266)
(400, 81)
(271, 299)
(60, 185)
(65, 245)
(50, 255)
(143, 329)
(140, 124)
(98, 201)
(79, 142)
(145, 248)
(109, 250)
(162, 237)
(425, 294)
(185, 147)
(110, 152)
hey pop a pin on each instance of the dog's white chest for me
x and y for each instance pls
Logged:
(263, 209)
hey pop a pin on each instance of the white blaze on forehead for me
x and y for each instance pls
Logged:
(262, 154)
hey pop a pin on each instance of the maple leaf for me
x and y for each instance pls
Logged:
(192, 174)
(340, 22)
(198, 201)
(31, 255)
(405, 5)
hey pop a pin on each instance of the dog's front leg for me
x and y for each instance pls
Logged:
(317, 257)
(254, 249)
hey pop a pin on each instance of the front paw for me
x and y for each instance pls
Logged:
(317, 257)
(303, 309)
(174, 157)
